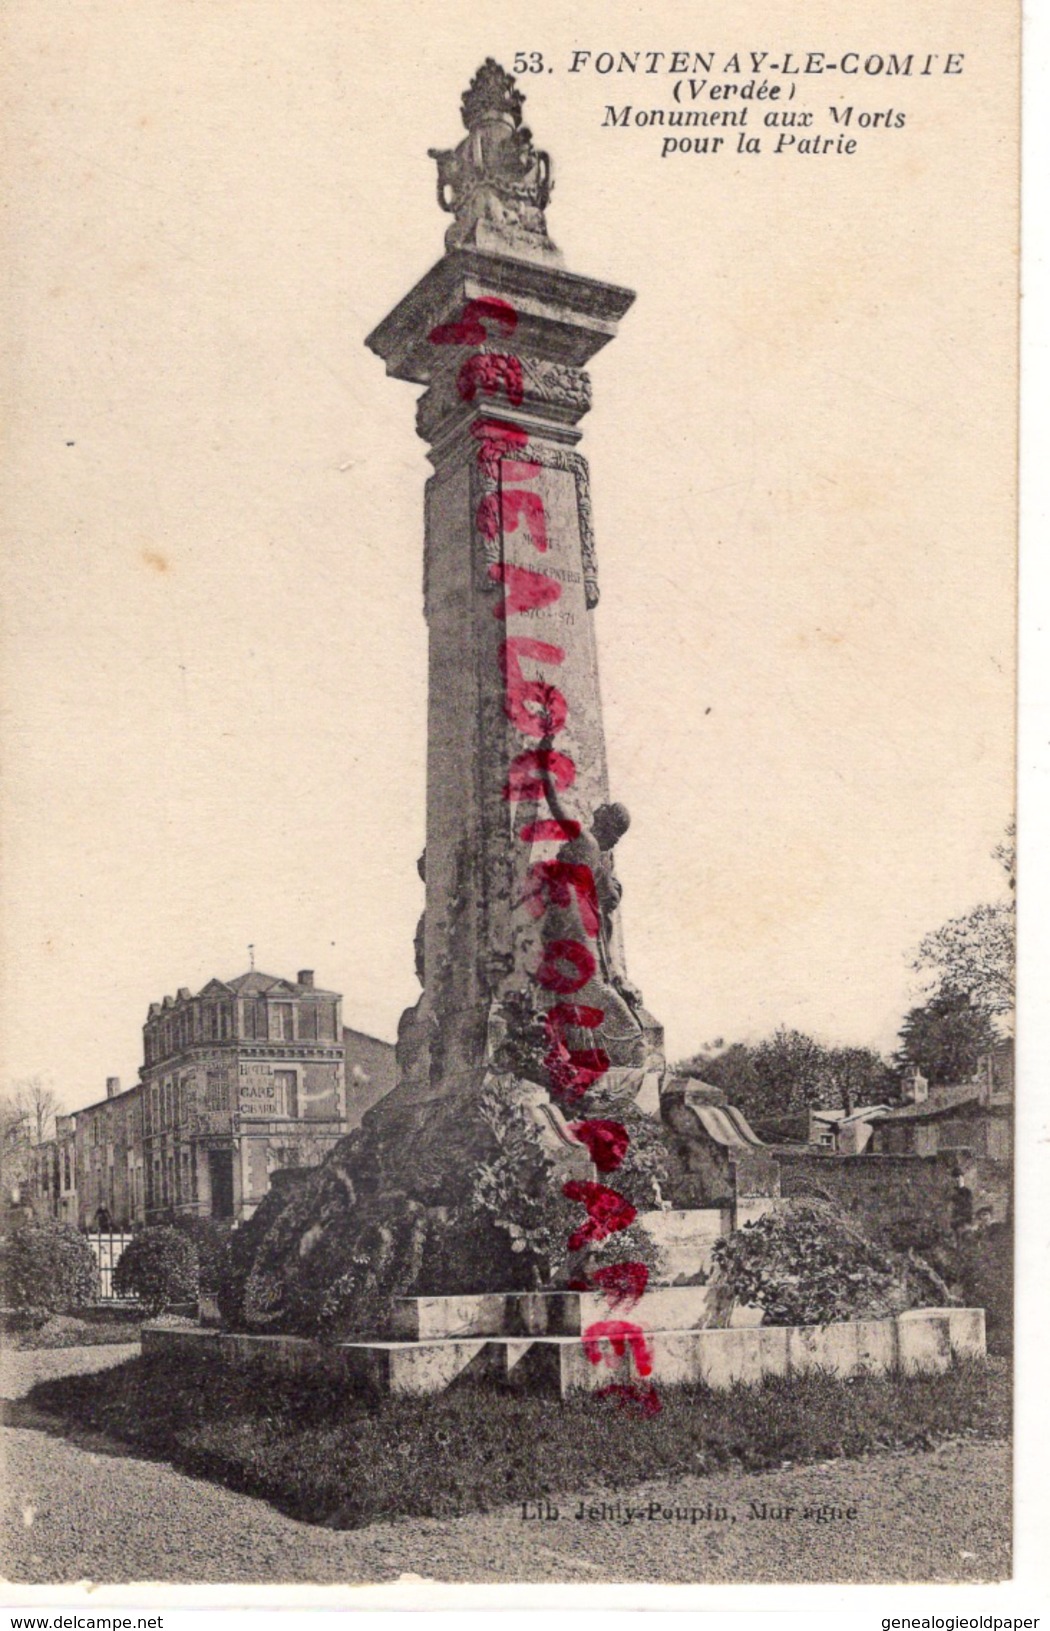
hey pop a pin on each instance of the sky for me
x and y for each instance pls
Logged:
(802, 461)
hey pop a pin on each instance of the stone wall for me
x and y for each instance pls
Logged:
(882, 1192)
(876, 1191)
(371, 1071)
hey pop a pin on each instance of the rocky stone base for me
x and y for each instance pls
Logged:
(461, 1191)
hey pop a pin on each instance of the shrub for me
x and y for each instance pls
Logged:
(807, 1266)
(518, 1189)
(159, 1267)
(211, 1237)
(986, 1281)
(47, 1265)
(644, 1174)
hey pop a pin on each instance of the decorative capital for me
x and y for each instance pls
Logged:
(496, 183)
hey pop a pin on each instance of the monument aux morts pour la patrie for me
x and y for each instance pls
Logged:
(530, 1062)
(538, 1190)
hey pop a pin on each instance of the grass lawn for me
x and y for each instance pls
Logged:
(70, 1331)
(326, 1455)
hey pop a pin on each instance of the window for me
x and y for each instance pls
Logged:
(282, 1024)
(287, 1092)
(308, 1021)
(225, 1021)
(215, 1099)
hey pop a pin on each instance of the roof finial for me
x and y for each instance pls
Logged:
(251, 957)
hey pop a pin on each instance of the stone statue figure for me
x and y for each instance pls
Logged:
(412, 1031)
(594, 849)
(629, 1034)
(495, 183)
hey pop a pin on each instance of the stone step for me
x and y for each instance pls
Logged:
(683, 1241)
(419, 1367)
(924, 1339)
(542, 1313)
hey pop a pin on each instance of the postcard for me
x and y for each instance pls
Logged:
(510, 806)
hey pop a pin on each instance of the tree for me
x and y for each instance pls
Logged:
(15, 1152)
(789, 1072)
(945, 1038)
(731, 1070)
(856, 1077)
(792, 1071)
(975, 955)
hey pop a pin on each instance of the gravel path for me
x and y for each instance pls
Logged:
(21, 1369)
(95, 1512)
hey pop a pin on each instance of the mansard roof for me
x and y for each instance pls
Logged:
(254, 983)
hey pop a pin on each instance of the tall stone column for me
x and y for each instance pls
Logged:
(522, 1063)
(499, 334)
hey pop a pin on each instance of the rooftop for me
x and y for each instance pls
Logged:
(947, 1101)
(252, 983)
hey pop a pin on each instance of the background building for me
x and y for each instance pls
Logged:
(247, 1076)
(974, 1116)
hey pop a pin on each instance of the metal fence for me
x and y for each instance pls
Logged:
(107, 1249)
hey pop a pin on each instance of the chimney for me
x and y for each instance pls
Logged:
(916, 1089)
(112, 1086)
(306, 977)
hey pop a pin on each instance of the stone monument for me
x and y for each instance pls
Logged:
(461, 1230)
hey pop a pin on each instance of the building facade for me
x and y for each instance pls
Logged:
(958, 1120)
(247, 1076)
(846, 1132)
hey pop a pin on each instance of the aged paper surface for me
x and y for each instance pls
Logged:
(802, 452)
